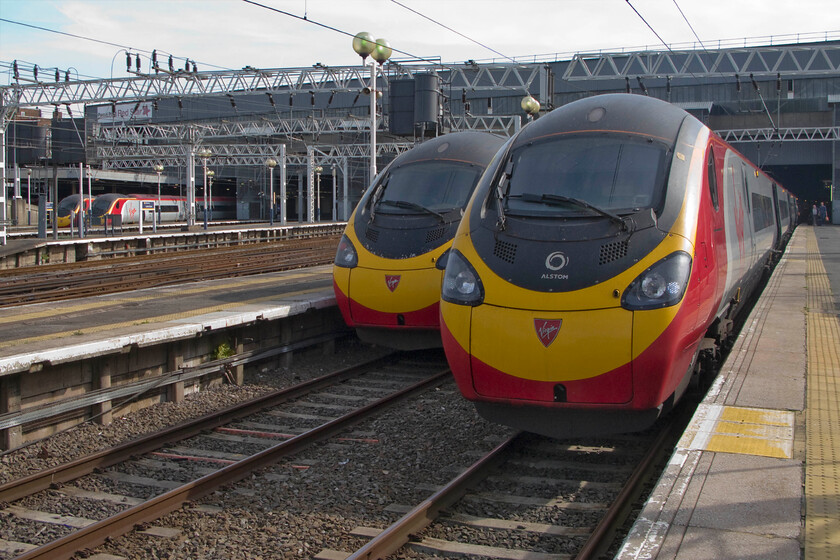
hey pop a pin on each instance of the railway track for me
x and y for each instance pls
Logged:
(529, 498)
(545, 498)
(142, 480)
(67, 281)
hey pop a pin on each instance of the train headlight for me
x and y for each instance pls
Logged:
(346, 256)
(661, 285)
(461, 283)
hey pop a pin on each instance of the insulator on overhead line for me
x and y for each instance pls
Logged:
(668, 84)
(270, 98)
(137, 61)
(232, 102)
(128, 61)
(187, 65)
(778, 82)
(35, 72)
(67, 75)
(154, 58)
(737, 82)
(171, 67)
(312, 98)
(194, 67)
(15, 70)
(57, 75)
(330, 100)
(754, 83)
(626, 84)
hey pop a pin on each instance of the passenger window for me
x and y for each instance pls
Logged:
(712, 176)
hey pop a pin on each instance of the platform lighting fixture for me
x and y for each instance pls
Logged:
(318, 169)
(530, 105)
(271, 163)
(380, 51)
(205, 154)
(210, 176)
(158, 169)
(28, 197)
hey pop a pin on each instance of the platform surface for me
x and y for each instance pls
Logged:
(86, 327)
(757, 472)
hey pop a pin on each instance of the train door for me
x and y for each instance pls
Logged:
(711, 235)
(780, 213)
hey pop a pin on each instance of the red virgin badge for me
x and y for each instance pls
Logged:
(392, 282)
(547, 330)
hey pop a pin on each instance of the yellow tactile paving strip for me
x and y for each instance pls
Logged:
(822, 414)
(749, 431)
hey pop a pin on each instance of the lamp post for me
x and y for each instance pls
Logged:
(380, 51)
(318, 169)
(29, 197)
(158, 169)
(210, 176)
(271, 163)
(204, 154)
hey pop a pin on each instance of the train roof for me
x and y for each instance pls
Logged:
(616, 112)
(473, 147)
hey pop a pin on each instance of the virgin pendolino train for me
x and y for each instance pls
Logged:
(388, 268)
(600, 263)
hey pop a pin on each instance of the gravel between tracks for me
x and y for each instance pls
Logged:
(286, 511)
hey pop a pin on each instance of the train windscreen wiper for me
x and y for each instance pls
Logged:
(413, 206)
(548, 198)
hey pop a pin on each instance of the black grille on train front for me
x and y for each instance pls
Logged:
(505, 251)
(612, 252)
(435, 234)
(372, 235)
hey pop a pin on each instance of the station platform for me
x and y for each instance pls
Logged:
(757, 472)
(79, 329)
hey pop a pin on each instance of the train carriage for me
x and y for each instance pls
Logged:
(600, 263)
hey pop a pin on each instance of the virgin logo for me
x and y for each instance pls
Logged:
(392, 282)
(547, 330)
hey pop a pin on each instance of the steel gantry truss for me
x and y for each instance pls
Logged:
(794, 61)
(121, 146)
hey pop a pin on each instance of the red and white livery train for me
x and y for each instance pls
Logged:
(172, 208)
(599, 265)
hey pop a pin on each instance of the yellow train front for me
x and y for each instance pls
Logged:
(389, 266)
(593, 264)
(67, 211)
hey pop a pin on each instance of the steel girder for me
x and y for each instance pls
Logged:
(780, 134)
(811, 60)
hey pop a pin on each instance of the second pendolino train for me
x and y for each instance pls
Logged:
(600, 263)
(389, 264)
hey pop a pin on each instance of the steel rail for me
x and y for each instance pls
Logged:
(601, 537)
(394, 537)
(397, 534)
(23, 487)
(125, 521)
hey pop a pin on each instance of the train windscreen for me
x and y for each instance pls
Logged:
(67, 206)
(436, 185)
(102, 203)
(613, 173)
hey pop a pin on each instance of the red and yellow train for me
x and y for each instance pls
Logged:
(389, 263)
(600, 263)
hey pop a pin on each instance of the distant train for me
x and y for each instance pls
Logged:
(600, 263)
(172, 208)
(67, 210)
(389, 263)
